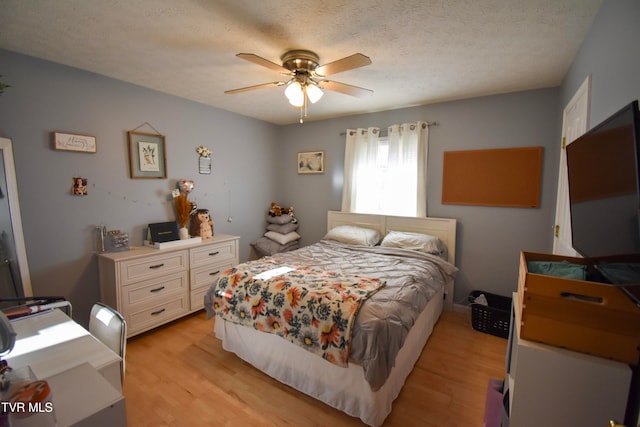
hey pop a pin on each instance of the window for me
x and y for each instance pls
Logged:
(386, 175)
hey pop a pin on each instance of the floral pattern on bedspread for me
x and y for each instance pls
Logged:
(312, 308)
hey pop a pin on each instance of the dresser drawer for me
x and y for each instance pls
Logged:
(141, 320)
(205, 277)
(155, 266)
(197, 298)
(154, 289)
(223, 251)
(151, 287)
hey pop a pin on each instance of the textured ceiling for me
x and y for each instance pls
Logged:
(422, 51)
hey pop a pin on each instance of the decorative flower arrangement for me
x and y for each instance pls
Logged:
(182, 204)
(203, 151)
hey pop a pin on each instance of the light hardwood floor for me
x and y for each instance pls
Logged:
(179, 375)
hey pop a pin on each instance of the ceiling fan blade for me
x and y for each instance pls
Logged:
(356, 60)
(248, 88)
(264, 62)
(360, 92)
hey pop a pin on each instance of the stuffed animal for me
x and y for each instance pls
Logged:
(276, 210)
(201, 224)
(287, 211)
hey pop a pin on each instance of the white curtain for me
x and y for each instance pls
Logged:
(387, 175)
(359, 153)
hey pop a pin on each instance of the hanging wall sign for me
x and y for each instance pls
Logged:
(74, 142)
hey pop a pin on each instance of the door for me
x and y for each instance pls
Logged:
(14, 272)
(574, 123)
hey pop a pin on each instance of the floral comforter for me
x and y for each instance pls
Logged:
(385, 318)
(312, 308)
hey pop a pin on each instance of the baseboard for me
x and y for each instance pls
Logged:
(461, 308)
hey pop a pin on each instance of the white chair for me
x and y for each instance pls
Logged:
(107, 325)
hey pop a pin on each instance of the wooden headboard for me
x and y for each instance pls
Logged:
(443, 228)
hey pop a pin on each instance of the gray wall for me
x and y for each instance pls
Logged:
(253, 161)
(489, 238)
(58, 228)
(611, 55)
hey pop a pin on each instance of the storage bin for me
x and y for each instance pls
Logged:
(493, 318)
(588, 317)
(493, 405)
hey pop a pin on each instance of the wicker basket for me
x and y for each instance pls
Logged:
(493, 318)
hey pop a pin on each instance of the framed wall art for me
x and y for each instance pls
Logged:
(79, 186)
(311, 162)
(147, 155)
(74, 142)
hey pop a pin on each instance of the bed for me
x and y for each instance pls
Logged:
(362, 386)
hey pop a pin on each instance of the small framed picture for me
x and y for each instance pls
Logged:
(147, 155)
(74, 142)
(79, 186)
(311, 162)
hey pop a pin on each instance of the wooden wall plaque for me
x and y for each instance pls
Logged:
(508, 177)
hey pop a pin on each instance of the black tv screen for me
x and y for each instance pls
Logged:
(602, 169)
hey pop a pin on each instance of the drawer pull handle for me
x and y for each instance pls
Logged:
(156, 266)
(157, 289)
(158, 312)
(214, 273)
(214, 253)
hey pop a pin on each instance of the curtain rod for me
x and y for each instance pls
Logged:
(425, 123)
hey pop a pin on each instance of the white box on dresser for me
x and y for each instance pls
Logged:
(150, 287)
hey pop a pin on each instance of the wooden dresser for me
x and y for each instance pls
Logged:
(150, 287)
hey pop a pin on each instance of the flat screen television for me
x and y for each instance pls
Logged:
(603, 173)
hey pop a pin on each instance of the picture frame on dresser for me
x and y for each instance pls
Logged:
(147, 155)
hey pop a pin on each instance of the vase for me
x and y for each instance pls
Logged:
(183, 233)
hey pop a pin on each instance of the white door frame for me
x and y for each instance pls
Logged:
(575, 122)
(16, 220)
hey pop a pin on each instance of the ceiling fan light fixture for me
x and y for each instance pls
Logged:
(307, 81)
(314, 93)
(295, 94)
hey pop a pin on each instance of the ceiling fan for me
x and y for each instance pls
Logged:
(306, 77)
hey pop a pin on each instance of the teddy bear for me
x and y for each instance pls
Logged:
(201, 224)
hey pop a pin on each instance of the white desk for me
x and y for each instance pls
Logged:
(83, 398)
(51, 343)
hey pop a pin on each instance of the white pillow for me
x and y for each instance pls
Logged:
(283, 239)
(354, 235)
(415, 241)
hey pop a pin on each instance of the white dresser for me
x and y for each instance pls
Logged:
(150, 287)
